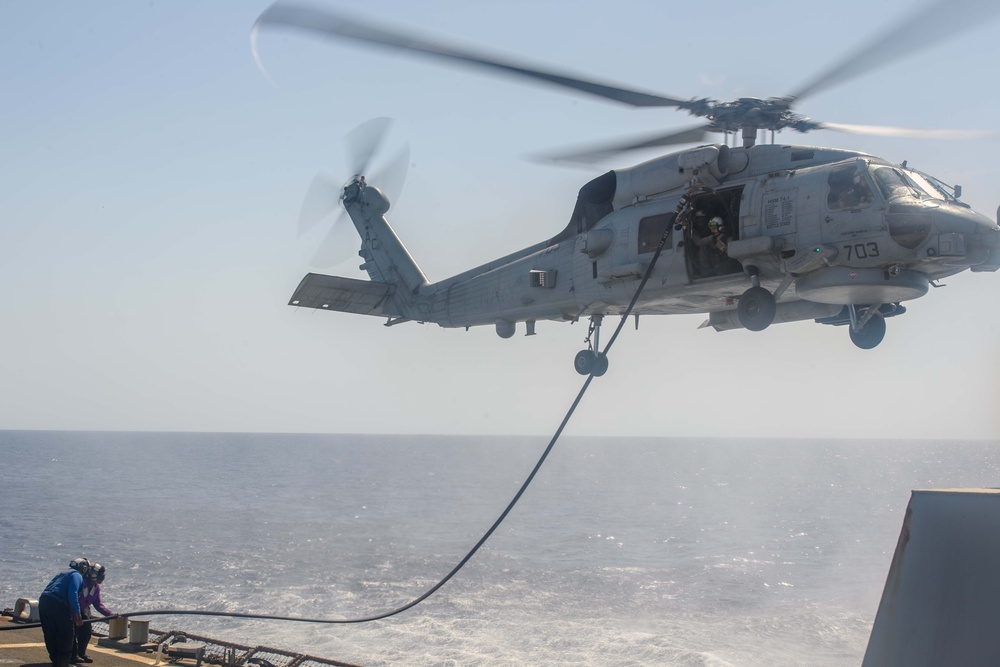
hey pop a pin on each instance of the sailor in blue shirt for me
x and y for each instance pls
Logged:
(59, 611)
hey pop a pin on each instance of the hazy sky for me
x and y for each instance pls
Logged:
(152, 178)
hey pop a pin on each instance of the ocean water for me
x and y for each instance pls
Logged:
(625, 551)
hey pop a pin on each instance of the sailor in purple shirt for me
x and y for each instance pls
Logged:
(59, 611)
(90, 594)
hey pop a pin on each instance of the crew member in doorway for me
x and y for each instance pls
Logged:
(709, 237)
(719, 236)
(59, 611)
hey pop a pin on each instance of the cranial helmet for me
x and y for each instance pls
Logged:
(97, 572)
(81, 565)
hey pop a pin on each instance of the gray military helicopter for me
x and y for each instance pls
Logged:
(750, 235)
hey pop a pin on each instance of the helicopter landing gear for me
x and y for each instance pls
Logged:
(591, 361)
(588, 362)
(868, 331)
(757, 306)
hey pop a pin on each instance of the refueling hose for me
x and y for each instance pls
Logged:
(496, 524)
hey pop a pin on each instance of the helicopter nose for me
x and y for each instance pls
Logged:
(934, 226)
(989, 240)
(952, 218)
(946, 233)
(971, 235)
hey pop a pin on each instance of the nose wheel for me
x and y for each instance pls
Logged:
(591, 361)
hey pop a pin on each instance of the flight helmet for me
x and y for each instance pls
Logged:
(81, 565)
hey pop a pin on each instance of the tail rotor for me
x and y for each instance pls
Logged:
(325, 193)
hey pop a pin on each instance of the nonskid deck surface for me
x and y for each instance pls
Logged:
(27, 647)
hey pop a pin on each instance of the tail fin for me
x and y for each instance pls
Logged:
(386, 259)
(393, 290)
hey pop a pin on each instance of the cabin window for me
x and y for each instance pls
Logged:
(651, 231)
(848, 188)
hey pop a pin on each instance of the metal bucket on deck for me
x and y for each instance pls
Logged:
(117, 628)
(26, 610)
(138, 631)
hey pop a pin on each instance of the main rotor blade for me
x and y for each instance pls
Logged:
(596, 153)
(889, 131)
(932, 24)
(337, 25)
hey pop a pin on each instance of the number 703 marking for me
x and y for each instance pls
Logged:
(861, 250)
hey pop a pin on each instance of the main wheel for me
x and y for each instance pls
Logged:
(756, 309)
(601, 366)
(871, 334)
(589, 362)
(584, 362)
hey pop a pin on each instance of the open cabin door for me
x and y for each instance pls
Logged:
(711, 221)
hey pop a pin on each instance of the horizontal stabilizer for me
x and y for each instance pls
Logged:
(347, 295)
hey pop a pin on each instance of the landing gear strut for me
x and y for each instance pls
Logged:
(868, 331)
(757, 307)
(591, 361)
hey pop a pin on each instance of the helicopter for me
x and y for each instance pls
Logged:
(750, 235)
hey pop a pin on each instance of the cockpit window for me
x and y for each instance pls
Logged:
(929, 186)
(896, 182)
(848, 188)
(893, 183)
(951, 192)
